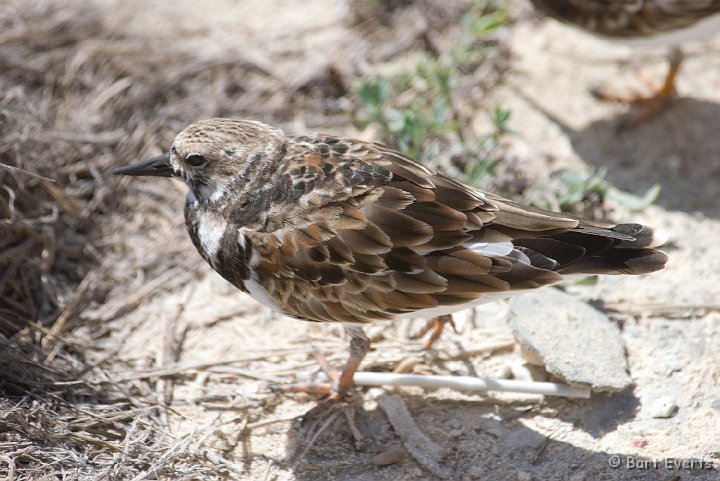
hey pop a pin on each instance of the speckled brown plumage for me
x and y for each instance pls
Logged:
(629, 18)
(339, 230)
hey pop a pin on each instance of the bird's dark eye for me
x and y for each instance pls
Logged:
(195, 160)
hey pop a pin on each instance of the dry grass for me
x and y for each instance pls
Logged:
(77, 97)
(76, 100)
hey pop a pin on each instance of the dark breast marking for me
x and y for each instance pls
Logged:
(191, 221)
(233, 257)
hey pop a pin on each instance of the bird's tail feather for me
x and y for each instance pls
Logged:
(619, 249)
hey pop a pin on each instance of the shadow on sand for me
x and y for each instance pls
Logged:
(679, 149)
(484, 437)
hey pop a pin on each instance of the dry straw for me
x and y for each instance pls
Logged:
(76, 99)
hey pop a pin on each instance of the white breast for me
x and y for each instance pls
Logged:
(259, 293)
(704, 29)
(210, 229)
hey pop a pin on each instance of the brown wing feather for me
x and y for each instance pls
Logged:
(371, 234)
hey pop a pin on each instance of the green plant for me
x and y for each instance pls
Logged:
(415, 112)
(414, 109)
(578, 188)
(481, 20)
(413, 126)
(478, 172)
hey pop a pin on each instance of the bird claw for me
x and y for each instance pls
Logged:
(645, 106)
(435, 327)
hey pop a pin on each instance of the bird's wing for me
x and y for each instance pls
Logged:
(370, 234)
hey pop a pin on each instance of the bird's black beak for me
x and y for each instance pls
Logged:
(157, 167)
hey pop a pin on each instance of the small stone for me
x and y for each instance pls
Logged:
(523, 476)
(415, 473)
(577, 476)
(662, 407)
(376, 333)
(575, 341)
(504, 372)
(391, 456)
(476, 472)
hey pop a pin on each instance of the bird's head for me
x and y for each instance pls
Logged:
(216, 157)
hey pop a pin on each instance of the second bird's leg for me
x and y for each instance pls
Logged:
(435, 327)
(648, 105)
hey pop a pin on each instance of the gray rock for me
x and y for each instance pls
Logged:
(574, 341)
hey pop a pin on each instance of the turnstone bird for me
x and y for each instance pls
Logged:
(642, 24)
(329, 229)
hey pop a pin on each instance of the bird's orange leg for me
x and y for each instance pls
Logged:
(647, 106)
(435, 327)
(340, 382)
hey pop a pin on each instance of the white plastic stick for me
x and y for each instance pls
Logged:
(459, 383)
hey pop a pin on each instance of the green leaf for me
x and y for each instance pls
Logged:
(485, 24)
(585, 281)
(374, 92)
(633, 202)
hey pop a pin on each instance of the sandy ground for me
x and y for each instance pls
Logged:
(670, 320)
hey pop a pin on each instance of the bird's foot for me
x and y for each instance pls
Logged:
(336, 386)
(339, 386)
(435, 327)
(645, 106)
(341, 398)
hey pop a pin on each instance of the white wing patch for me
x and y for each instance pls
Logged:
(491, 249)
(498, 249)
